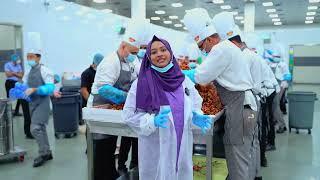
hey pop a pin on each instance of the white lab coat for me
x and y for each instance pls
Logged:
(46, 73)
(157, 146)
(281, 69)
(226, 63)
(108, 71)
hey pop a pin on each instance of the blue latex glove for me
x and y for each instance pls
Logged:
(18, 92)
(45, 90)
(162, 118)
(287, 77)
(190, 74)
(202, 121)
(113, 94)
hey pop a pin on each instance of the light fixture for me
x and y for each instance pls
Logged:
(100, 1)
(308, 22)
(314, 1)
(312, 7)
(155, 18)
(235, 13)
(182, 20)
(276, 20)
(178, 25)
(218, 1)
(309, 18)
(239, 17)
(277, 23)
(273, 15)
(107, 11)
(267, 4)
(225, 7)
(173, 17)
(271, 10)
(242, 22)
(160, 12)
(311, 13)
(176, 5)
(185, 28)
(59, 8)
(167, 22)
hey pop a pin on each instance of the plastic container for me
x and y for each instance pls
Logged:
(301, 109)
(66, 114)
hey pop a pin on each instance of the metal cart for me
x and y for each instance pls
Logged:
(8, 151)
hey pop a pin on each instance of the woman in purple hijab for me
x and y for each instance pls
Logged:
(162, 106)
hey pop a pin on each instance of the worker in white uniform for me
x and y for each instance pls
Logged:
(228, 30)
(40, 82)
(113, 79)
(225, 64)
(282, 74)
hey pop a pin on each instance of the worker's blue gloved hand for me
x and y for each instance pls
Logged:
(113, 94)
(202, 121)
(18, 92)
(45, 90)
(287, 77)
(162, 118)
(190, 74)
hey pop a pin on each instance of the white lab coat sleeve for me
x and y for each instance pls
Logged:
(108, 72)
(142, 123)
(25, 77)
(47, 75)
(195, 97)
(214, 64)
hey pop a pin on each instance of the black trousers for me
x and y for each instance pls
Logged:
(263, 130)
(126, 144)
(283, 102)
(271, 120)
(104, 159)
(25, 107)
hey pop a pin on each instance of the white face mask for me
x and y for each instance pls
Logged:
(19, 62)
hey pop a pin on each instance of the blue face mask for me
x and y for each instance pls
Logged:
(130, 58)
(141, 53)
(192, 65)
(164, 69)
(276, 59)
(32, 63)
(204, 53)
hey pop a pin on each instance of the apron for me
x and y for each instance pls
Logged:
(239, 129)
(39, 105)
(123, 83)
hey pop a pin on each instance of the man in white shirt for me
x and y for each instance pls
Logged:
(225, 65)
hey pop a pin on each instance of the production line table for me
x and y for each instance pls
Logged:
(104, 121)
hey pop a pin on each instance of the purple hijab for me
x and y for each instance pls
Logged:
(152, 84)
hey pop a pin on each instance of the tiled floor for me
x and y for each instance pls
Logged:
(297, 156)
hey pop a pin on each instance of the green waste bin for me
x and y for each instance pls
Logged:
(301, 109)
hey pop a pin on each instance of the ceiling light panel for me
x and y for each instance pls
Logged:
(276, 20)
(277, 23)
(308, 22)
(311, 13)
(309, 18)
(225, 7)
(167, 22)
(267, 4)
(160, 12)
(273, 15)
(239, 17)
(155, 18)
(271, 10)
(178, 25)
(176, 5)
(218, 1)
(173, 17)
(100, 1)
(312, 7)
(314, 1)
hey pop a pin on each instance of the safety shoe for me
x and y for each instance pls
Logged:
(39, 161)
(264, 162)
(270, 147)
(258, 178)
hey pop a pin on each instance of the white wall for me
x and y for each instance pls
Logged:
(68, 45)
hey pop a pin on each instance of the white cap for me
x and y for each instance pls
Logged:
(198, 23)
(225, 26)
(252, 41)
(34, 41)
(138, 33)
(193, 51)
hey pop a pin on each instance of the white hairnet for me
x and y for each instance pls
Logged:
(138, 33)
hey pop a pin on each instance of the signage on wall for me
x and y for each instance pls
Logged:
(291, 60)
